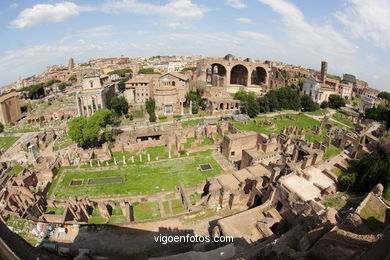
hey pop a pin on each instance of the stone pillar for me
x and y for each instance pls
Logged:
(169, 155)
(182, 108)
(190, 107)
(148, 157)
(248, 80)
(228, 75)
(140, 157)
(124, 159)
(78, 106)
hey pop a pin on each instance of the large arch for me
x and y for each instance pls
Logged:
(239, 75)
(215, 69)
(258, 76)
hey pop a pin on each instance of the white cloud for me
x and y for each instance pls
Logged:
(235, 3)
(46, 13)
(255, 35)
(244, 20)
(13, 5)
(174, 10)
(319, 39)
(93, 32)
(367, 20)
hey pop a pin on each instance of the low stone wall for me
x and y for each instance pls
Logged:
(202, 148)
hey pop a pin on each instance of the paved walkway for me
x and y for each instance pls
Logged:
(223, 162)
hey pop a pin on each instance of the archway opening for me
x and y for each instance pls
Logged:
(215, 69)
(259, 75)
(239, 75)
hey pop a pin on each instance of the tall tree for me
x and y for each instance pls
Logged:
(336, 101)
(150, 108)
(119, 105)
(386, 96)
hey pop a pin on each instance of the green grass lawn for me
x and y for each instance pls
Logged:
(96, 220)
(374, 214)
(301, 121)
(177, 206)
(310, 137)
(7, 141)
(115, 219)
(194, 197)
(331, 151)
(341, 118)
(335, 202)
(319, 112)
(337, 172)
(166, 207)
(15, 170)
(24, 129)
(147, 210)
(142, 179)
(191, 122)
(56, 211)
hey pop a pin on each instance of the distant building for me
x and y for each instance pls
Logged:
(9, 108)
(318, 91)
(71, 64)
(324, 71)
(348, 78)
(96, 93)
(168, 90)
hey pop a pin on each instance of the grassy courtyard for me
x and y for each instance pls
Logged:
(147, 210)
(139, 179)
(299, 120)
(339, 116)
(331, 151)
(7, 141)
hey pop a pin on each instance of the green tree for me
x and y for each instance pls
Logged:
(189, 69)
(386, 96)
(148, 71)
(122, 73)
(336, 101)
(72, 78)
(62, 86)
(371, 169)
(36, 91)
(197, 102)
(308, 104)
(249, 103)
(119, 105)
(1, 127)
(252, 106)
(324, 104)
(91, 134)
(103, 117)
(76, 128)
(122, 85)
(150, 108)
(51, 82)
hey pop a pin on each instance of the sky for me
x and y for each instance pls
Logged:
(352, 35)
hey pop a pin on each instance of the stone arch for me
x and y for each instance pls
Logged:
(216, 68)
(239, 75)
(258, 76)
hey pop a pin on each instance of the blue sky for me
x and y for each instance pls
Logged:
(352, 35)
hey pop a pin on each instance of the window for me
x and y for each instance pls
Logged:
(91, 84)
(233, 153)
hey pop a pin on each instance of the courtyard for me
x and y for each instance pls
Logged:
(138, 179)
